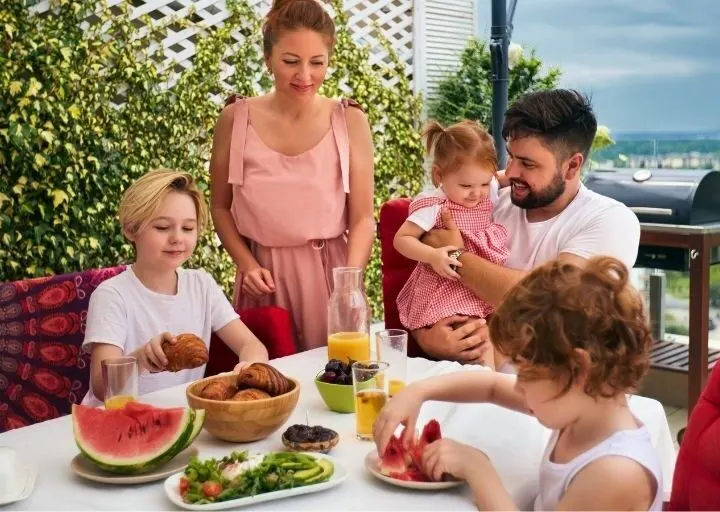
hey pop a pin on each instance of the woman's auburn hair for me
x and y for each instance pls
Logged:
(289, 15)
(561, 307)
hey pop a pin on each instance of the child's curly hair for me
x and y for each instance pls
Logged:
(560, 307)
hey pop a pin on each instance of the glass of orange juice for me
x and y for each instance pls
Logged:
(120, 377)
(391, 346)
(370, 386)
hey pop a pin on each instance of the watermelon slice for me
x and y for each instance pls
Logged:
(135, 439)
(406, 464)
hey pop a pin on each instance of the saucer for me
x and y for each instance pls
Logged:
(372, 462)
(25, 477)
(86, 469)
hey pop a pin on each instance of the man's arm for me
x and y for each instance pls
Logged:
(484, 278)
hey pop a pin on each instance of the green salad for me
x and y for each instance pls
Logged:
(240, 475)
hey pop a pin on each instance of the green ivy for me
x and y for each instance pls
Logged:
(85, 112)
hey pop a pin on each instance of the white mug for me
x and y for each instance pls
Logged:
(7, 470)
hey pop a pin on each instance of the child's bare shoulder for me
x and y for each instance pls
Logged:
(627, 484)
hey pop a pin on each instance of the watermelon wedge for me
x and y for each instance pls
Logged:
(135, 439)
(406, 463)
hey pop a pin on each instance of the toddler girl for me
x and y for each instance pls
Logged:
(580, 341)
(464, 168)
(155, 299)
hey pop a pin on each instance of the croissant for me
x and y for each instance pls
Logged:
(218, 390)
(250, 394)
(189, 351)
(265, 377)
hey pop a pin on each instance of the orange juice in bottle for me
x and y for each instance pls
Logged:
(349, 345)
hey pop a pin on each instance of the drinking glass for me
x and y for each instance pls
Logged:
(120, 377)
(391, 346)
(370, 386)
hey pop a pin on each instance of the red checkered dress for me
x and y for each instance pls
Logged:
(428, 297)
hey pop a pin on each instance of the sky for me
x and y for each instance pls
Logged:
(647, 64)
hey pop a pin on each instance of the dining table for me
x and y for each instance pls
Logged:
(513, 441)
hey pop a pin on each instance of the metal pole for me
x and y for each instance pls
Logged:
(499, 42)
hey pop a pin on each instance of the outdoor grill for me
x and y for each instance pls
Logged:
(673, 197)
(679, 213)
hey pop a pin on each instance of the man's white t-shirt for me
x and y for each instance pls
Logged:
(124, 313)
(591, 225)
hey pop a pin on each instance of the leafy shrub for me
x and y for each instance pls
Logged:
(467, 93)
(86, 111)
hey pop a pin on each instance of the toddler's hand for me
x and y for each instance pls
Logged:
(151, 355)
(441, 262)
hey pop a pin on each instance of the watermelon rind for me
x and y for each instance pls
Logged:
(144, 463)
(197, 426)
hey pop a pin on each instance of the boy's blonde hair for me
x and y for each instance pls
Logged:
(141, 201)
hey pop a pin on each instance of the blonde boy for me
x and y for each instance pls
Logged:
(156, 299)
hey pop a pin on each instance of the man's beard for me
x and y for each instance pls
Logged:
(539, 198)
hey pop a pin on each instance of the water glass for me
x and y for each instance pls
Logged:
(370, 387)
(391, 347)
(120, 378)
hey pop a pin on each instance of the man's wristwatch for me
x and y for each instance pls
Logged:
(455, 255)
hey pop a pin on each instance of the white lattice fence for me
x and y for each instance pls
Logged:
(394, 17)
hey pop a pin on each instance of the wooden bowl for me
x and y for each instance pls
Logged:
(242, 422)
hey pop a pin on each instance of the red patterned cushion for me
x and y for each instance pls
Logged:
(42, 326)
(271, 324)
(396, 268)
(696, 482)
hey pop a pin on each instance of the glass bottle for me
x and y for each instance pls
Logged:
(348, 325)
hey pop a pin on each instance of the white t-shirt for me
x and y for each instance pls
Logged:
(591, 225)
(124, 313)
(426, 217)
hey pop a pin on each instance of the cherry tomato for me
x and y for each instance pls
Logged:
(211, 489)
(184, 486)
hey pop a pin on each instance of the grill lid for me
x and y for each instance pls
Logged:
(665, 196)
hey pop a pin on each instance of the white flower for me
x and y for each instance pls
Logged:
(515, 52)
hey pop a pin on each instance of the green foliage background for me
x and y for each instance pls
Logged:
(86, 111)
(467, 94)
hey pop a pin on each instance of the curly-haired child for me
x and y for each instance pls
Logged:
(580, 341)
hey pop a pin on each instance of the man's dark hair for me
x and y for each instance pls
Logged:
(562, 119)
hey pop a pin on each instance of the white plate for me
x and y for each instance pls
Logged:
(86, 469)
(372, 463)
(25, 477)
(172, 489)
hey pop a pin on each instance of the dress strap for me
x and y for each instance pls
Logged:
(342, 139)
(237, 141)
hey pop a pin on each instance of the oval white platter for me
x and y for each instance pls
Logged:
(172, 489)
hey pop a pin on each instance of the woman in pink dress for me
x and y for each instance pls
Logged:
(292, 177)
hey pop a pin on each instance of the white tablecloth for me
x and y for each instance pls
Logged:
(513, 441)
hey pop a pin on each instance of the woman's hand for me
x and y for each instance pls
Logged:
(258, 282)
(448, 457)
(151, 356)
(403, 408)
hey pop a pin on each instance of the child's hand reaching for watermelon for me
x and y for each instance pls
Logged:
(403, 408)
(447, 457)
(151, 356)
